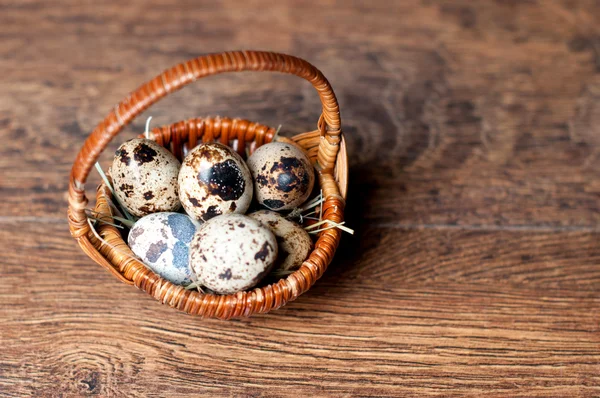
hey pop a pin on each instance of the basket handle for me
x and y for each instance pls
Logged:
(180, 75)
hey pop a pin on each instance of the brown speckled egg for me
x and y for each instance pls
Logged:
(144, 177)
(293, 240)
(231, 253)
(283, 176)
(214, 180)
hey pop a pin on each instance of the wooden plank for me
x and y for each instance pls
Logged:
(461, 313)
(385, 256)
(444, 125)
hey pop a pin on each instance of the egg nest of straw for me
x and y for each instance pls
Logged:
(215, 222)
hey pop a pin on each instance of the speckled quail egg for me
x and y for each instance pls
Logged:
(283, 176)
(294, 243)
(214, 180)
(231, 253)
(161, 241)
(144, 177)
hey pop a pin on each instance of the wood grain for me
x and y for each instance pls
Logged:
(473, 134)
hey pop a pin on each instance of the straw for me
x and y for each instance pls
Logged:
(107, 183)
(147, 132)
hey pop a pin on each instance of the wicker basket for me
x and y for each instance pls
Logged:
(325, 147)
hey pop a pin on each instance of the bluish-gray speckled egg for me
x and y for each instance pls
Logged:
(161, 241)
(283, 175)
(214, 180)
(145, 177)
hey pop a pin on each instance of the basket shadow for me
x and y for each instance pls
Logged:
(345, 263)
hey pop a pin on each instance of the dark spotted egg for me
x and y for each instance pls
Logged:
(283, 176)
(161, 241)
(214, 180)
(144, 177)
(294, 243)
(231, 253)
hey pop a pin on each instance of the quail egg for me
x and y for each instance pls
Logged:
(214, 180)
(231, 253)
(162, 241)
(283, 175)
(144, 177)
(294, 243)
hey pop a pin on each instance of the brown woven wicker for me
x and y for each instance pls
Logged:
(325, 147)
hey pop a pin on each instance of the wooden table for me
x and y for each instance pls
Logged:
(474, 141)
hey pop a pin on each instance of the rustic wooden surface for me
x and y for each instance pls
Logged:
(474, 140)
